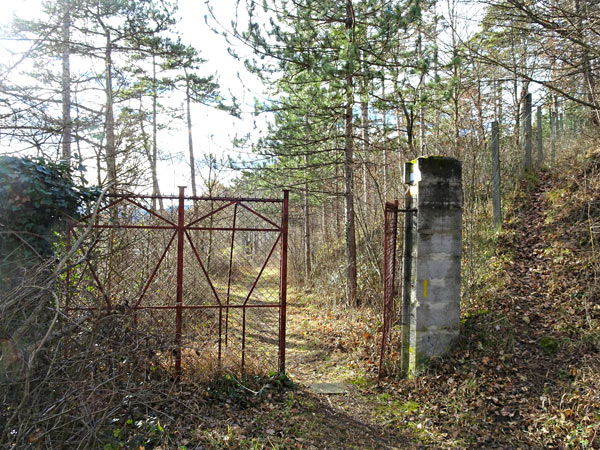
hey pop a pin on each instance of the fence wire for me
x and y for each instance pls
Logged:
(203, 278)
(389, 272)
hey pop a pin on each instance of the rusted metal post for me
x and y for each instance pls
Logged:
(283, 281)
(179, 309)
(389, 272)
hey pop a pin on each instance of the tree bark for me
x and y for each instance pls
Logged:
(155, 187)
(109, 123)
(364, 107)
(189, 131)
(351, 281)
(66, 84)
(384, 150)
(307, 253)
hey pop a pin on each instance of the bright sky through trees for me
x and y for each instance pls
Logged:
(213, 130)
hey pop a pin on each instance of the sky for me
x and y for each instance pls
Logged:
(213, 130)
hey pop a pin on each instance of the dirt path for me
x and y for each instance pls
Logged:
(314, 355)
(525, 373)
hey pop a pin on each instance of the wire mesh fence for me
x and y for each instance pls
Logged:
(203, 278)
(389, 272)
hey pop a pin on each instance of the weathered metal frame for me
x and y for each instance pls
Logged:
(390, 237)
(181, 233)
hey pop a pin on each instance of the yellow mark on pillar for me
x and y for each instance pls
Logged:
(425, 288)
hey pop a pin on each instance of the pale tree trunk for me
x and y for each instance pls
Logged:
(109, 124)
(307, 254)
(423, 150)
(324, 218)
(145, 140)
(111, 156)
(588, 77)
(335, 203)
(399, 139)
(401, 155)
(351, 281)
(498, 102)
(153, 163)
(384, 150)
(66, 85)
(436, 101)
(455, 74)
(518, 114)
(364, 107)
(190, 141)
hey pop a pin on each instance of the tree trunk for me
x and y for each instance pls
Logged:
(307, 254)
(155, 187)
(364, 107)
(351, 281)
(588, 77)
(384, 150)
(422, 150)
(324, 218)
(190, 141)
(66, 84)
(109, 123)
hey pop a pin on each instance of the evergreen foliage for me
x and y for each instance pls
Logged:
(36, 198)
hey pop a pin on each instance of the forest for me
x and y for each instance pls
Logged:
(136, 315)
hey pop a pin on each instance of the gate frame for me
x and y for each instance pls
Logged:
(390, 231)
(181, 231)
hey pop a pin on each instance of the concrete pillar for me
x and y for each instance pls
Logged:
(433, 300)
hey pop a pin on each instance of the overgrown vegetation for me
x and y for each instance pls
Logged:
(356, 88)
(37, 197)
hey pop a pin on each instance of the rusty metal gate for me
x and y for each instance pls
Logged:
(390, 316)
(206, 276)
(389, 274)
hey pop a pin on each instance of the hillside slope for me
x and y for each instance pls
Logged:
(527, 372)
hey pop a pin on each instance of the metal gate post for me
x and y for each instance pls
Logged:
(283, 281)
(389, 272)
(179, 310)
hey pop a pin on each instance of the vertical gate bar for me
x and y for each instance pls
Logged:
(243, 338)
(178, 319)
(389, 271)
(220, 332)
(283, 280)
(229, 274)
(386, 224)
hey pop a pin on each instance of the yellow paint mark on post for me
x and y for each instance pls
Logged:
(425, 288)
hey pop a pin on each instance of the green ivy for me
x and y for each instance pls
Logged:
(37, 197)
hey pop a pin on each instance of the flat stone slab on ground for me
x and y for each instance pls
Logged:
(328, 388)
